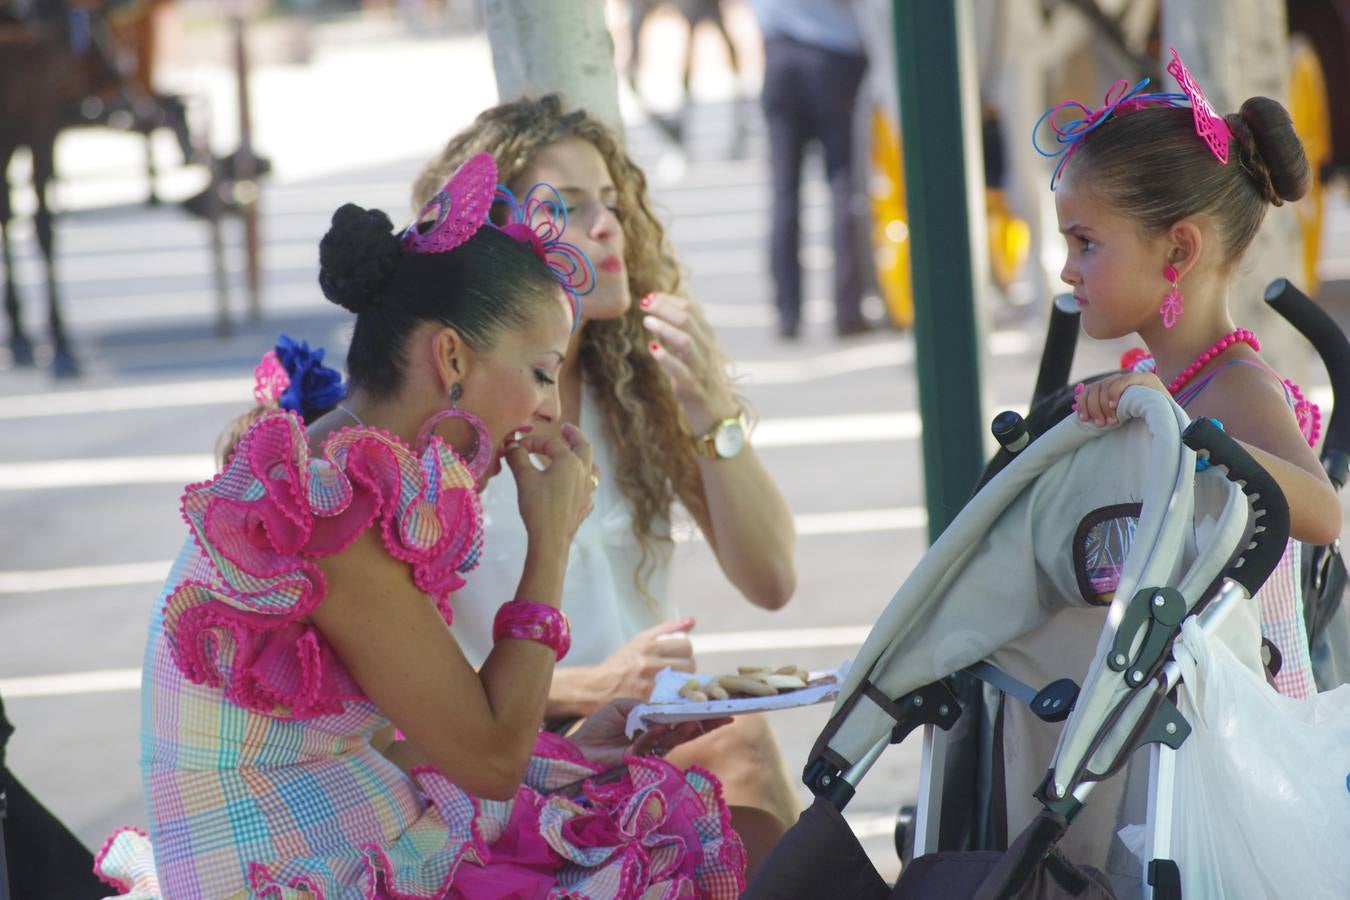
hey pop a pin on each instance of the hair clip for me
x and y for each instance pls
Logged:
(540, 221)
(461, 206)
(1211, 127)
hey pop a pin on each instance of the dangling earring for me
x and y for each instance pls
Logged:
(1171, 306)
(476, 459)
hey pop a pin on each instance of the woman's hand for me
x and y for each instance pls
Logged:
(553, 502)
(1096, 402)
(686, 348)
(602, 740)
(631, 670)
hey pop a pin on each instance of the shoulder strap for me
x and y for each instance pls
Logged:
(1190, 393)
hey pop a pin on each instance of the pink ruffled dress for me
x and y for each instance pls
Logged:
(258, 773)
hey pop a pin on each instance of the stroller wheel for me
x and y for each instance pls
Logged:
(904, 834)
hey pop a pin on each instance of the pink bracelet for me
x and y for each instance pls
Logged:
(526, 620)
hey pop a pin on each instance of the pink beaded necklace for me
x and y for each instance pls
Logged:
(1240, 336)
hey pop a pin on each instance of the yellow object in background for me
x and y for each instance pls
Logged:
(890, 221)
(1309, 109)
(1009, 239)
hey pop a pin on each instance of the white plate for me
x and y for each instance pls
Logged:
(824, 687)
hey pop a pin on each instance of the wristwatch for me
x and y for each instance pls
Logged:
(725, 439)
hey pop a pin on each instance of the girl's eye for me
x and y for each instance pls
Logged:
(1086, 244)
(543, 378)
(614, 211)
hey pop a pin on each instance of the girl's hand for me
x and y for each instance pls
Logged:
(601, 737)
(553, 502)
(1096, 402)
(685, 347)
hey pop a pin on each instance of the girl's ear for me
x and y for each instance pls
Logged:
(1185, 240)
(451, 357)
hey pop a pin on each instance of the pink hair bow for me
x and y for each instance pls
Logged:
(1122, 98)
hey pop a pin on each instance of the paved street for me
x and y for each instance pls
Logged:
(91, 471)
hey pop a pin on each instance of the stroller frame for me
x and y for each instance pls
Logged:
(934, 708)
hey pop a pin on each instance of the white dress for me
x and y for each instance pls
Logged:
(600, 595)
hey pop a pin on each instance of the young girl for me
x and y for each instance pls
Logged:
(310, 608)
(1158, 198)
(645, 377)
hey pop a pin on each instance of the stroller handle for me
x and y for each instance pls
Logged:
(1061, 339)
(1331, 344)
(1261, 556)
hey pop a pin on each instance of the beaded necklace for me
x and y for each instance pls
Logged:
(1240, 336)
(1307, 413)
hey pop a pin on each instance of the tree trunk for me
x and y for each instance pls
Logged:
(552, 47)
(1238, 49)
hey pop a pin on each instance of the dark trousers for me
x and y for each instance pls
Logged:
(809, 94)
(44, 858)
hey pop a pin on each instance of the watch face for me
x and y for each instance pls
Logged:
(730, 439)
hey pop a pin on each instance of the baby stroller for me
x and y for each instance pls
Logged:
(1201, 546)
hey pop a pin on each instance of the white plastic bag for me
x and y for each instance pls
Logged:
(1262, 784)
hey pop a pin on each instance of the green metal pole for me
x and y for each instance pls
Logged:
(945, 327)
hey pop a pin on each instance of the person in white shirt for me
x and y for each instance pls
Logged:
(646, 379)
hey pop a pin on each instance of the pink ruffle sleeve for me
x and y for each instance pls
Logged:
(264, 521)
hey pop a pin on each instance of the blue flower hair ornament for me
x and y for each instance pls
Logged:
(292, 376)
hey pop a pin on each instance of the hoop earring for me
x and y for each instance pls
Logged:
(1171, 309)
(476, 459)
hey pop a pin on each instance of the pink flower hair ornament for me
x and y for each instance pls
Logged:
(1122, 98)
(463, 204)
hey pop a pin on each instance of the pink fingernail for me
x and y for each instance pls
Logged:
(654, 346)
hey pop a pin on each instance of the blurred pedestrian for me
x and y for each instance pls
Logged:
(813, 68)
(693, 12)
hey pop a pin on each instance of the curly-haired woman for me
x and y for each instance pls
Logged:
(646, 379)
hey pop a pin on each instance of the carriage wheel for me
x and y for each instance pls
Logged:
(1309, 108)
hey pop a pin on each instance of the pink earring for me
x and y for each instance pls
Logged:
(477, 459)
(1171, 306)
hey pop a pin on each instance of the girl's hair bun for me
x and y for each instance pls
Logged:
(357, 257)
(1270, 150)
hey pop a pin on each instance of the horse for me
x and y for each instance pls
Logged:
(55, 56)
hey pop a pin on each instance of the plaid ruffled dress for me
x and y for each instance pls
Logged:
(258, 773)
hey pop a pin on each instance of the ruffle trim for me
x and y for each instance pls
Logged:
(271, 512)
(127, 862)
(657, 834)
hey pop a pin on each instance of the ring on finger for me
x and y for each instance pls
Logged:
(595, 480)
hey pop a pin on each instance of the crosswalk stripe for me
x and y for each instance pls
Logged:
(863, 521)
(237, 391)
(182, 469)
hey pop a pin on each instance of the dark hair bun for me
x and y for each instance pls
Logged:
(357, 257)
(1271, 150)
